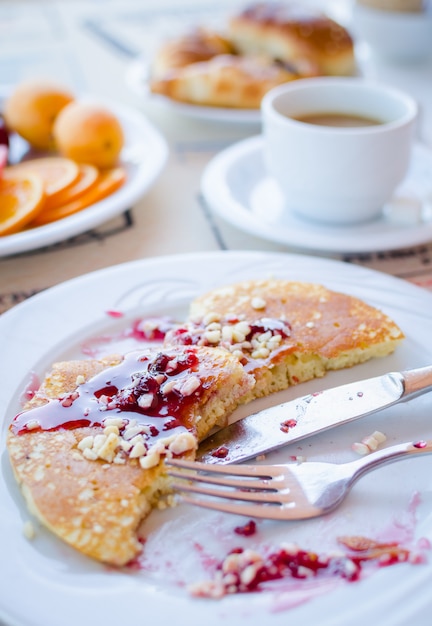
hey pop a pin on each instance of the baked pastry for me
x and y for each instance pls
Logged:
(226, 80)
(88, 449)
(286, 332)
(264, 45)
(290, 32)
(408, 6)
(200, 44)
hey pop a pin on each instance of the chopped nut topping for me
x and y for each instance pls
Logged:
(182, 443)
(188, 386)
(114, 421)
(210, 318)
(87, 442)
(243, 338)
(369, 444)
(145, 401)
(258, 303)
(138, 450)
(261, 353)
(213, 336)
(111, 429)
(114, 446)
(29, 530)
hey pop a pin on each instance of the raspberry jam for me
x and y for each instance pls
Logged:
(151, 329)
(153, 387)
(245, 570)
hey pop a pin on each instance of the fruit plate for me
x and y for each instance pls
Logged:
(46, 583)
(143, 156)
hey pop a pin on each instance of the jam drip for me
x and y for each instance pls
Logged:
(154, 388)
(151, 329)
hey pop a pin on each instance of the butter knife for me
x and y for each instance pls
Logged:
(291, 421)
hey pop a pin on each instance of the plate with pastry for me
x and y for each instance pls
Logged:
(98, 397)
(236, 186)
(223, 74)
(73, 163)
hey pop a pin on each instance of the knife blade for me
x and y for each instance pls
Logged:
(286, 423)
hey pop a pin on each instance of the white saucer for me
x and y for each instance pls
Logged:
(237, 187)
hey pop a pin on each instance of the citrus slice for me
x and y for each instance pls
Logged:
(108, 182)
(88, 175)
(56, 172)
(21, 199)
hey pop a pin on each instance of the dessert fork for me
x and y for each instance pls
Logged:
(280, 492)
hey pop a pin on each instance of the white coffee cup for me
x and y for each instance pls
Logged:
(338, 175)
(398, 36)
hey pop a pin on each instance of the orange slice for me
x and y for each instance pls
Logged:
(58, 173)
(21, 199)
(108, 182)
(88, 175)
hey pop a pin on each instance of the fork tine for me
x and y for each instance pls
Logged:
(240, 483)
(273, 493)
(260, 511)
(261, 471)
(264, 497)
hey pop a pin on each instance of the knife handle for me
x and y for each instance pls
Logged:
(417, 381)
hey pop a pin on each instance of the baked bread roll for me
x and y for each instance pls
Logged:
(285, 333)
(408, 6)
(88, 449)
(265, 45)
(290, 32)
(224, 81)
(198, 45)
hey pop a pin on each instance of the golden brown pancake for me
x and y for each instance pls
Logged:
(287, 332)
(88, 450)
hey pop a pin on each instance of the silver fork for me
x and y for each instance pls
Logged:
(280, 492)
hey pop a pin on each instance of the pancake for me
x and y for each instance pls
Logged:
(88, 450)
(285, 333)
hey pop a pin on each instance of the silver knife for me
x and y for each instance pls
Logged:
(291, 421)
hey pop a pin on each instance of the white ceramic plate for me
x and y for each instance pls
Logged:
(45, 583)
(144, 156)
(137, 80)
(236, 185)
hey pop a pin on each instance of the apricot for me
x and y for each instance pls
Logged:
(89, 133)
(32, 108)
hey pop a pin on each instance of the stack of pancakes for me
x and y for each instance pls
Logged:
(88, 450)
